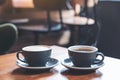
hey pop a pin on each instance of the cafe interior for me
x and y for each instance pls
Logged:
(67, 23)
(59, 39)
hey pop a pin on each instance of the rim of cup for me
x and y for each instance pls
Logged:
(37, 48)
(72, 48)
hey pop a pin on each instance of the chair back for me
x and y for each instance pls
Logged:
(8, 36)
(87, 9)
(50, 4)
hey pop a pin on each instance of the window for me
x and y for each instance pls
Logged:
(23, 3)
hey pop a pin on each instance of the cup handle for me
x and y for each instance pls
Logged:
(99, 61)
(18, 56)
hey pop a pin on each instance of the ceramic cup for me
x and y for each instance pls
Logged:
(35, 55)
(84, 56)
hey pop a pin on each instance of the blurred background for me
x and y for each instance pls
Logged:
(24, 13)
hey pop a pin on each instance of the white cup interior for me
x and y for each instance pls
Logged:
(36, 48)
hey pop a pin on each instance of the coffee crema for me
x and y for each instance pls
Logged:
(83, 49)
(36, 48)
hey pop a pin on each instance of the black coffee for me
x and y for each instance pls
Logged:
(84, 49)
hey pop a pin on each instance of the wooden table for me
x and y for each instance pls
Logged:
(10, 71)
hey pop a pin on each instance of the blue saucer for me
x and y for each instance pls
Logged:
(68, 64)
(50, 64)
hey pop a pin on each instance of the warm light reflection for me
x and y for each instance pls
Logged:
(77, 9)
(92, 3)
(23, 3)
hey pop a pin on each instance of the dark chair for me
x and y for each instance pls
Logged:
(90, 33)
(84, 25)
(8, 36)
(48, 25)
